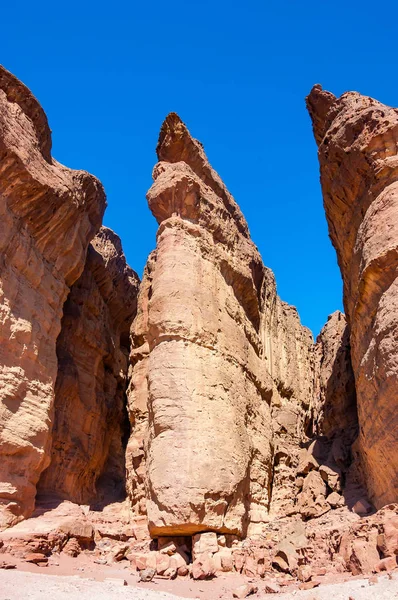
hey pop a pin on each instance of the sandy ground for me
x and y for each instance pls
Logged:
(23, 585)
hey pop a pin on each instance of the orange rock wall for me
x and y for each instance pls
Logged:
(357, 139)
(48, 214)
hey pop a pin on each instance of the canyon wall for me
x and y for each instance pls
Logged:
(357, 138)
(48, 216)
(90, 417)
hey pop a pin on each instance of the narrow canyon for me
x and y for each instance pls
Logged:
(188, 423)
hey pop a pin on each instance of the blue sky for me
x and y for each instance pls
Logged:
(237, 73)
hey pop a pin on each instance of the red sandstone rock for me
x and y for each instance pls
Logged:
(203, 567)
(204, 543)
(36, 558)
(289, 359)
(225, 387)
(272, 587)
(357, 136)
(48, 216)
(199, 360)
(245, 590)
(387, 541)
(147, 575)
(90, 417)
(308, 585)
(387, 564)
(334, 404)
(311, 501)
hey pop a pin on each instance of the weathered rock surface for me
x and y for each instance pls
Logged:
(48, 216)
(215, 351)
(239, 426)
(90, 421)
(357, 139)
(200, 359)
(334, 408)
(289, 360)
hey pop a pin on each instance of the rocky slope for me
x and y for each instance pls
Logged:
(357, 138)
(48, 216)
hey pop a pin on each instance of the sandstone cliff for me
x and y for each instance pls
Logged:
(49, 214)
(90, 418)
(357, 139)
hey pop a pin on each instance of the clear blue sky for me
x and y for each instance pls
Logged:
(237, 74)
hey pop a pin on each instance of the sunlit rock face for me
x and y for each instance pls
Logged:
(90, 418)
(357, 138)
(208, 357)
(49, 214)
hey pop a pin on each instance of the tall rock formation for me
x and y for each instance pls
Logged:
(357, 138)
(48, 216)
(205, 339)
(90, 421)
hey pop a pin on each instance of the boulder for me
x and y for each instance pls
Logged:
(203, 567)
(245, 590)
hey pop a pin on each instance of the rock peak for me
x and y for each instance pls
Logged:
(172, 128)
(16, 91)
(175, 142)
(318, 103)
(177, 145)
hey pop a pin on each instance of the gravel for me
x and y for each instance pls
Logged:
(20, 585)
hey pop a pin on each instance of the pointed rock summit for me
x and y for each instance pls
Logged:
(176, 144)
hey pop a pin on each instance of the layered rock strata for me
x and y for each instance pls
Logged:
(206, 344)
(90, 420)
(49, 214)
(357, 139)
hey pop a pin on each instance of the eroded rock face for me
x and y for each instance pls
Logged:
(289, 359)
(90, 421)
(334, 411)
(48, 216)
(208, 452)
(205, 339)
(357, 139)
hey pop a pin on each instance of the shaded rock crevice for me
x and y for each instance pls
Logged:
(87, 456)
